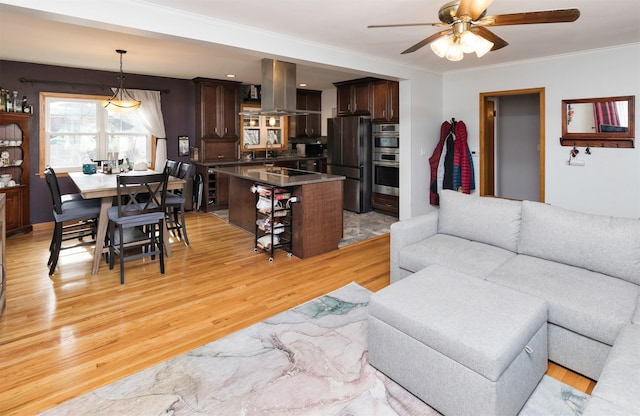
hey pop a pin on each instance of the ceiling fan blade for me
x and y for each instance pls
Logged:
(426, 41)
(406, 24)
(498, 42)
(472, 8)
(550, 16)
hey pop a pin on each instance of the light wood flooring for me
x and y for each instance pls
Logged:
(68, 334)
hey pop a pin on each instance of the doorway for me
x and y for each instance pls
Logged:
(498, 174)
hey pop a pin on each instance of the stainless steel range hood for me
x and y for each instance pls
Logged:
(278, 90)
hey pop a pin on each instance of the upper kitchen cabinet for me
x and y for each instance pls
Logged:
(262, 132)
(354, 97)
(308, 126)
(217, 108)
(385, 103)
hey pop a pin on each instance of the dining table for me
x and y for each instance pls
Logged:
(105, 186)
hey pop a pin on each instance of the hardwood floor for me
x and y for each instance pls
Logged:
(68, 334)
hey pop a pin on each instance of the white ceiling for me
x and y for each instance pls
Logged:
(60, 37)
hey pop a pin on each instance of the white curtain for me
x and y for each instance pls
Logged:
(150, 115)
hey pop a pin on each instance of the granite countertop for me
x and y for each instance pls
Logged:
(260, 160)
(276, 176)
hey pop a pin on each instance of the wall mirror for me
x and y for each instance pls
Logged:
(599, 122)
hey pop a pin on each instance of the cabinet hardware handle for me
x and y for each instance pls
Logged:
(220, 156)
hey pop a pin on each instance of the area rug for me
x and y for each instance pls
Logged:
(308, 361)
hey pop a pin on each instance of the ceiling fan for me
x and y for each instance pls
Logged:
(466, 30)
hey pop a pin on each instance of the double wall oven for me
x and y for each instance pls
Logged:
(386, 159)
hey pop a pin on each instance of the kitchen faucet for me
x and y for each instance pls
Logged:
(266, 151)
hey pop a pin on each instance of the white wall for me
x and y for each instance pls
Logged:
(609, 183)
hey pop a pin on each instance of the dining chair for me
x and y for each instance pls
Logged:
(137, 222)
(74, 217)
(176, 202)
(173, 166)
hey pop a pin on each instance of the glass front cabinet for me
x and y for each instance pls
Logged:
(262, 132)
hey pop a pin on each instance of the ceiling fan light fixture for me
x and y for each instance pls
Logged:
(482, 46)
(121, 101)
(468, 41)
(455, 53)
(440, 46)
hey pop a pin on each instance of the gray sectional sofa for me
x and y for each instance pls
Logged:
(585, 267)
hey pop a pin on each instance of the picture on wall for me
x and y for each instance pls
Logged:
(183, 145)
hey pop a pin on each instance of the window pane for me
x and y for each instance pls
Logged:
(72, 117)
(133, 147)
(78, 130)
(71, 150)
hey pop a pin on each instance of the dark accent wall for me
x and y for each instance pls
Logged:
(178, 109)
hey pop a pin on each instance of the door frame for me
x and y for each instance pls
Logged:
(487, 157)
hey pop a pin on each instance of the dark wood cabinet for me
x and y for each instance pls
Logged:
(217, 109)
(14, 140)
(386, 203)
(3, 256)
(385, 102)
(354, 97)
(215, 188)
(317, 219)
(308, 126)
(219, 150)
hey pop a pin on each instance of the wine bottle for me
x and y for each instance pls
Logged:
(16, 103)
(8, 104)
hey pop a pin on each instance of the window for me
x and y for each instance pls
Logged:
(74, 129)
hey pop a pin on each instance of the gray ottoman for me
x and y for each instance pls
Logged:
(463, 345)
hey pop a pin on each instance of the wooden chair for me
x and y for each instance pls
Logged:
(176, 202)
(75, 218)
(140, 212)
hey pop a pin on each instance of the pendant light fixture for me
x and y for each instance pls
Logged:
(121, 101)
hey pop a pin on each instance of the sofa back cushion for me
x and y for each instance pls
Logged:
(600, 243)
(487, 220)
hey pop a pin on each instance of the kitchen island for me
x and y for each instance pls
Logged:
(215, 186)
(316, 217)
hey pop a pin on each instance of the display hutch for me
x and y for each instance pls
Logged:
(3, 256)
(14, 161)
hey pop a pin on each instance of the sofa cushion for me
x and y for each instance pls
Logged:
(602, 407)
(586, 302)
(620, 379)
(488, 220)
(472, 258)
(603, 244)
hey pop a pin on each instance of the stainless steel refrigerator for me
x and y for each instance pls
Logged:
(349, 154)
